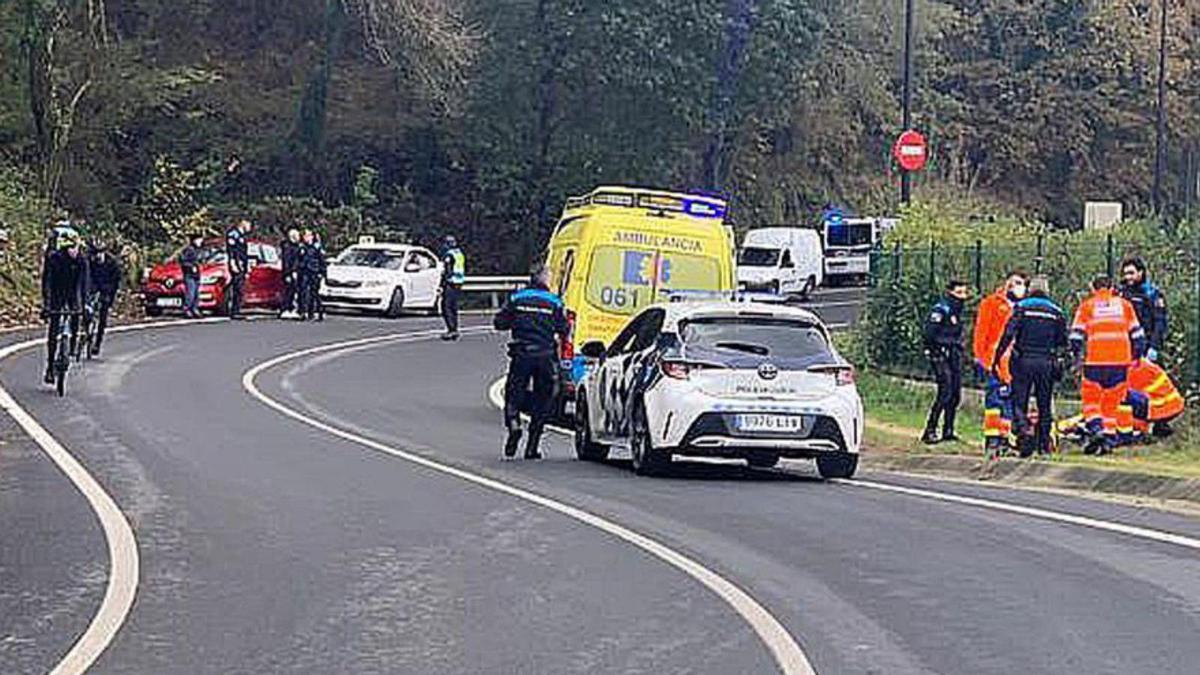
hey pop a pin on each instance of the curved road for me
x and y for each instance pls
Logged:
(268, 545)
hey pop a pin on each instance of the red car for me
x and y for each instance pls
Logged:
(162, 287)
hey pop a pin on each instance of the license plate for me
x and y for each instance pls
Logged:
(775, 424)
(169, 302)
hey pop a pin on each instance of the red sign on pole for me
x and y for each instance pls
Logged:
(911, 151)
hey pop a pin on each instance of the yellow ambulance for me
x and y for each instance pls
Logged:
(617, 250)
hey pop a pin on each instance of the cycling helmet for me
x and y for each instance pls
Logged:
(66, 237)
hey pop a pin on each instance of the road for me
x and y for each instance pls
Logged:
(268, 544)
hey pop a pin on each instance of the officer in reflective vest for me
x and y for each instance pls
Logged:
(454, 274)
(994, 313)
(1154, 398)
(1108, 338)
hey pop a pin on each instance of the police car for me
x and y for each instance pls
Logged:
(381, 277)
(728, 379)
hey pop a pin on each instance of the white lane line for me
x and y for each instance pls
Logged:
(496, 395)
(1044, 514)
(122, 546)
(783, 647)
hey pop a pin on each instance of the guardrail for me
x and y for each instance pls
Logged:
(495, 286)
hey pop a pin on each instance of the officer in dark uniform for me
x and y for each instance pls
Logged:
(1149, 303)
(189, 264)
(64, 286)
(1037, 332)
(105, 272)
(944, 347)
(312, 269)
(289, 254)
(538, 324)
(237, 249)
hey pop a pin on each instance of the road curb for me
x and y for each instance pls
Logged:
(1026, 473)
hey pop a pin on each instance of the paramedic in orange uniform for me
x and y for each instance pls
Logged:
(1154, 398)
(994, 313)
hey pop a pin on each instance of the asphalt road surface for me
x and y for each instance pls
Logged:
(270, 545)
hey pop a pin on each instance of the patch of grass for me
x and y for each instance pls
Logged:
(897, 409)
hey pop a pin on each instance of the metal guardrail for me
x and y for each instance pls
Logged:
(495, 286)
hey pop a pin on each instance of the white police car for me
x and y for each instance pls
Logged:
(388, 278)
(727, 379)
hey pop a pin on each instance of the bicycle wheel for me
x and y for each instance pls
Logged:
(60, 382)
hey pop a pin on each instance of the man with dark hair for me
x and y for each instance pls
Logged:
(189, 264)
(237, 249)
(1037, 333)
(944, 347)
(1149, 303)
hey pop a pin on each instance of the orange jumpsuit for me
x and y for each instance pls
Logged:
(1107, 331)
(994, 313)
(1152, 395)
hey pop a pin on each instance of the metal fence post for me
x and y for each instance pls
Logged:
(897, 258)
(1111, 261)
(1196, 344)
(979, 265)
(932, 263)
(1041, 253)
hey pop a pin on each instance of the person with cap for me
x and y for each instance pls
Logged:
(237, 251)
(454, 274)
(189, 264)
(944, 348)
(289, 254)
(1037, 333)
(105, 276)
(538, 324)
(64, 287)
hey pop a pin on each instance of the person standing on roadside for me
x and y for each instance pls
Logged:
(1148, 302)
(311, 269)
(289, 253)
(105, 271)
(944, 347)
(189, 264)
(237, 251)
(454, 274)
(994, 313)
(538, 323)
(1037, 333)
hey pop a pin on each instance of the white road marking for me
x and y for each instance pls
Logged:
(122, 546)
(783, 647)
(1044, 514)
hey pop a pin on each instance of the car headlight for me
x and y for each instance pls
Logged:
(210, 279)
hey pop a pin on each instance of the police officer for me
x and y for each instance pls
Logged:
(1037, 333)
(944, 347)
(105, 271)
(64, 286)
(311, 270)
(538, 323)
(1149, 303)
(237, 249)
(289, 253)
(454, 274)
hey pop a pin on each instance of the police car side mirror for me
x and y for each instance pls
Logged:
(594, 350)
(412, 267)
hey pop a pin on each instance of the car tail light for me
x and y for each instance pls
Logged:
(676, 370)
(843, 374)
(568, 344)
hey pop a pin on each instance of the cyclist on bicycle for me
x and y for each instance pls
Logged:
(64, 285)
(105, 280)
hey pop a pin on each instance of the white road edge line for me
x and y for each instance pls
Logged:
(122, 545)
(496, 395)
(783, 647)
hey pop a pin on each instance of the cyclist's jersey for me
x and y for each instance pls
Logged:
(64, 282)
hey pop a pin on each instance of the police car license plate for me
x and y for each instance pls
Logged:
(776, 424)
(169, 302)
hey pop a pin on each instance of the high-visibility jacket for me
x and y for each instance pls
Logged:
(1148, 379)
(994, 312)
(1107, 331)
(456, 267)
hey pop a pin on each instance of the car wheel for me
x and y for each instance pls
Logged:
(647, 460)
(586, 449)
(396, 306)
(763, 460)
(436, 310)
(154, 311)
(837, 465)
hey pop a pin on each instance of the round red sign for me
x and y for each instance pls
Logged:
(911, 151)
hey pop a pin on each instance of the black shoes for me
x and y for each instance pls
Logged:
(511, 443)
(930, 438)
(49, 377)
(450, 337)
(531, 448)
(950, 437)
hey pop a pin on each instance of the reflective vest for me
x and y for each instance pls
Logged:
(1165, 401)
(1107, 325)
(994, 312)
(458, 270)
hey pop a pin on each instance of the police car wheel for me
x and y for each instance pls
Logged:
(586, 449)
(396, 305)
(647, 460)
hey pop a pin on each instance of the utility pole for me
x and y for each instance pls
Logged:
(909, 30)
(1160, 145)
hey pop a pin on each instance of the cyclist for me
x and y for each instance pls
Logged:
(64, 286)
(105, 275)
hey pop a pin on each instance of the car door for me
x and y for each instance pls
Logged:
(426, 278)
(637, 368)
(608, 385)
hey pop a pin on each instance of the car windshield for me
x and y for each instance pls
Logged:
(372, 257)
(781, 339)
(759, 257)
(848, 235)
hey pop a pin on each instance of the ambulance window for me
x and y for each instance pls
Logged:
(624, 281)
(564, 273)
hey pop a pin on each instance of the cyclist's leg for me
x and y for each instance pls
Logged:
(51, 346)
(99, 324)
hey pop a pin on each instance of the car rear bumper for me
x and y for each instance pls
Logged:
(713, 434)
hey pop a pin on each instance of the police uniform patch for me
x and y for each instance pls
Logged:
(936, 317)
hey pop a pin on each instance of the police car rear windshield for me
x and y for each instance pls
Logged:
(774, 338)
(371, 257)
(759, 257)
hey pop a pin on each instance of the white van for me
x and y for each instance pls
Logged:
(785, 261)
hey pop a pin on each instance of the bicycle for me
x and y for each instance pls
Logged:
(87, 327)
(62, 358)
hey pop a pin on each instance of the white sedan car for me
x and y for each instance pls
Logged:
(740, 380)
(388, 278)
